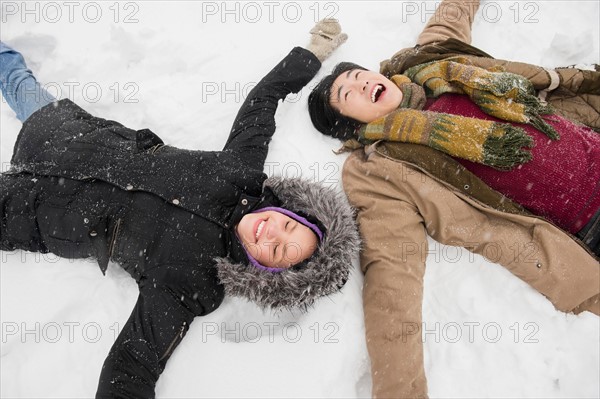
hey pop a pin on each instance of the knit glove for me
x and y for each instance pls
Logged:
(326, 36)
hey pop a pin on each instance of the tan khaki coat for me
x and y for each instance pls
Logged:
(404, 192)
(398, 204)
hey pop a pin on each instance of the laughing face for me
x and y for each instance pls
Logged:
(364, 95)
(276, 240)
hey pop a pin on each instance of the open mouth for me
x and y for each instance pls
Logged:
(259, 229)
(376, 93)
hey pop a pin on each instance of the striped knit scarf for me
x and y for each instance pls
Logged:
(503, 95)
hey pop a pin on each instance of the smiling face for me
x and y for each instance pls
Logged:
(364, 95)
(276, 240)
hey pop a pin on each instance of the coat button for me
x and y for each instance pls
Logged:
(244, 201)
(129, 187)
(175, 201)
(538, 265)
(93, 233)
(86, 220)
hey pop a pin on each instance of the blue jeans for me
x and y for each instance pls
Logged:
(19, 87)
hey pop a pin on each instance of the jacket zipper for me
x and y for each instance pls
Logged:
(113, 240)
(171, 346)
(454, 189)
(155, 148)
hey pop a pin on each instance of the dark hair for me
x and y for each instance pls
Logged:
(324, 117)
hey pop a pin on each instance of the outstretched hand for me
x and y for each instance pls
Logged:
(326, 36)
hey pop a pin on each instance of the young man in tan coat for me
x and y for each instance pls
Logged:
(404, 192)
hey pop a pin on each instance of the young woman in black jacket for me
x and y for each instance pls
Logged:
(189, 226)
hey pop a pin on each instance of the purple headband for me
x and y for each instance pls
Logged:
(297, 218)
(292, 215)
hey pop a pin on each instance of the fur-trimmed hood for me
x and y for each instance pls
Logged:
(324, 273)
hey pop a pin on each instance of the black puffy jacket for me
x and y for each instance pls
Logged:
(163, 213)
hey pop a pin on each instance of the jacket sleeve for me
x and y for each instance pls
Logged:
(452, 19)
(255, 122)
(156, 326)
(393, 260)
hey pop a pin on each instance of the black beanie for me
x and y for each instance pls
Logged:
(324, 117)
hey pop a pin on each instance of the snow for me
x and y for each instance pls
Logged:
(181, 69)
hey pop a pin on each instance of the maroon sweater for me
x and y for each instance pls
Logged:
(561, 182)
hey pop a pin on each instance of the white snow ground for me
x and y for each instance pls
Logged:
(181, 68)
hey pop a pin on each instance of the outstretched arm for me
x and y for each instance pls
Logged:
(155, 328)
(393, 260)
(170, 297)
(255, 122)
(452, 19)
